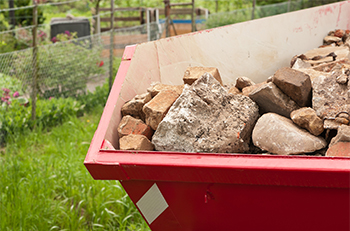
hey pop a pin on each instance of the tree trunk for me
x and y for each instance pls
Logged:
(97, 11)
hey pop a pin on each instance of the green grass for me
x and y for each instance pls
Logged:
(45, 186)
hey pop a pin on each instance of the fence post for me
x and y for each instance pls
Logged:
(253, 9)
(12, 14)
(288, 6)
(167, 17)
(98, 24)
(193, 17)
(158, 24)
(148, 19)
(34, 59)
(111, 48)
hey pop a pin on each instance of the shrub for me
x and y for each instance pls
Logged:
(15, 117)
(91, 100)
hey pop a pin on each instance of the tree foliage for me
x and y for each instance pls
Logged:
(23, 17)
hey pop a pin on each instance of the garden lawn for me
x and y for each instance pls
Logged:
(45, 186)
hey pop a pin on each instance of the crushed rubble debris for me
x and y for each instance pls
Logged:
(303, 109)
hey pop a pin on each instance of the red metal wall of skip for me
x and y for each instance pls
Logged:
(196, 206)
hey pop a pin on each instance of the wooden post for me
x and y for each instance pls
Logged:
(12, 14)
(158, 24)
(193, 17)
(167, 17)
(111, 48)
(97, 19)
(148, 21)
(288, 6)
(142, 16)
(34, 59)
(216, 6)
(253, 9)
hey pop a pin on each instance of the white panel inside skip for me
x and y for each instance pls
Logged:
(152, 204)
(255, 49)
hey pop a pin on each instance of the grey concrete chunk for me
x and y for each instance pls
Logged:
(329, 98)
(206, 118)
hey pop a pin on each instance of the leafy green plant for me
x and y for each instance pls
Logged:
(91, 100)
(15, 118)
(11, 83)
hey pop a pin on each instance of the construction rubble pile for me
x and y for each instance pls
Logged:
(301, 109)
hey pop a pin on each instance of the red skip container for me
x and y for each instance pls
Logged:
(204, 191)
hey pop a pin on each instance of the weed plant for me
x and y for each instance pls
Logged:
(16, 118)
(45, 186)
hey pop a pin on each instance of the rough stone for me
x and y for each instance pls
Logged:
(339, 33)
(271, 99)
(331, 39)
(332, 123)
(205, 118)
(295, 84)
(234, 91)
(135, 142)
(329, 97)
(300, 64)
(340, 149)
(327, 67)
(247, 90)
(157, 87)
(194, 73)
(342, 79)
(156, 109)
(296, 57)
(279, 135)
(129, 125)
(341, 73)
(307, 118)
(326, 54)
(242, 82)
(314, 73)
(343, 135)
(134, 106)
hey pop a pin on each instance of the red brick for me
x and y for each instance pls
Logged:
(340, 149)
(156, 109)
(134, 106)
(135, 142)
(154, 90)
(194, 73)
(129, 125)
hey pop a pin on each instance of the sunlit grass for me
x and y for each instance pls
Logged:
(45, 186)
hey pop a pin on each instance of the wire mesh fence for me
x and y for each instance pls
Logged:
(68, 68)
(242, 15)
